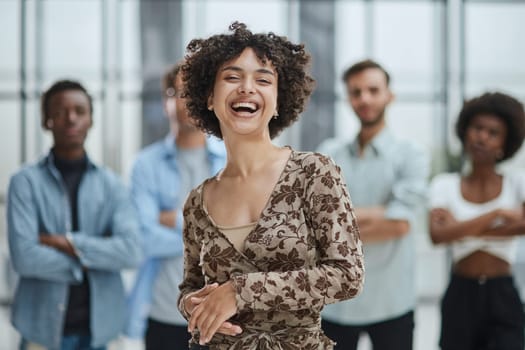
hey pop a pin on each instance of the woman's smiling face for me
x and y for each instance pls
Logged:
(244, 96)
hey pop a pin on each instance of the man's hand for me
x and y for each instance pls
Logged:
(58, 242)
(168, 218)
(210, 314)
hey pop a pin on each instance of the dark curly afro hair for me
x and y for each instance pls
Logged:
(205, 56)
(505, 107)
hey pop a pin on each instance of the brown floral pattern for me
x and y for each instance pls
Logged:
(304, 252)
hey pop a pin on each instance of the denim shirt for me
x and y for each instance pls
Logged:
(106, 242)
(155, 181)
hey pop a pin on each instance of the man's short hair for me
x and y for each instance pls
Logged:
(57, 87)
(168, 80)
(364, 65)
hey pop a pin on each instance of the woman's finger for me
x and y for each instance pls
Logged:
(207, 289)
(205, 325)
(214, 326)
(228, 328)
(193, 321)
(196, 301)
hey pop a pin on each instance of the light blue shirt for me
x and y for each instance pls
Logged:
(390, 173)
(106, 243)
(156, 186)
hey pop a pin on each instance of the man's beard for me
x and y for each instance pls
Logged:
(378, 119)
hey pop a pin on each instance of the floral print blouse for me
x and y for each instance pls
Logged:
(303, 253)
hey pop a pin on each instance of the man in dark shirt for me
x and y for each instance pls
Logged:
(77, 312)
(71, 229)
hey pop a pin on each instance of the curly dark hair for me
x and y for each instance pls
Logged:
(205, 56)
(505, 107)
(57, 87)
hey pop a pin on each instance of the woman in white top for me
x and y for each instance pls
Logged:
(479, 214)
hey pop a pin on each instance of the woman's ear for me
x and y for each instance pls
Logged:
(210, 102)
(49, 123)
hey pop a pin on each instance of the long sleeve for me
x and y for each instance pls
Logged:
(29, 257)
(338, 273)
(157, 240)
(409, 192)
(193, 277)
(120, 247)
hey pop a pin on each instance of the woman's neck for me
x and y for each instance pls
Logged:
(482, 172)
(248, 156)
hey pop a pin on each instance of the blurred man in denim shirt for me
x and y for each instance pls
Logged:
(162, 176)
(71, 229)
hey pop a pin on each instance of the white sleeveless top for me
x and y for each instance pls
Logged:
(445, 192)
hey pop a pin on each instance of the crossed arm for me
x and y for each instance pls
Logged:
(59, 242)
(445, 228)
(53, 256)
(374, 227)
(392, 220)
(161, 230)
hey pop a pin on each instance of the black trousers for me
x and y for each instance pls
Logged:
(164, 336)
(198, 347)
(393, 334)
(482, 314)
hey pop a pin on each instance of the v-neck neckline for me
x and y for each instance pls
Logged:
(283, 173)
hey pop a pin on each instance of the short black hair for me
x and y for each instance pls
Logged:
(360, 66)
(503, 106)
(59, 86)
(205, 56)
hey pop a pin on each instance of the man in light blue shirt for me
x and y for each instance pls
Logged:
(163, 174)
(71, 229)
(387, 180)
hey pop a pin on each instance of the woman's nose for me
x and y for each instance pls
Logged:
(246, 87)
(482, 135)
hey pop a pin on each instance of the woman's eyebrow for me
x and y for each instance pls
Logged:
(239, 69)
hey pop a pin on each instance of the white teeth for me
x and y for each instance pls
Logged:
(249, 105)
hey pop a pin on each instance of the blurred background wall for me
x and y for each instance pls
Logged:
(439, 52)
